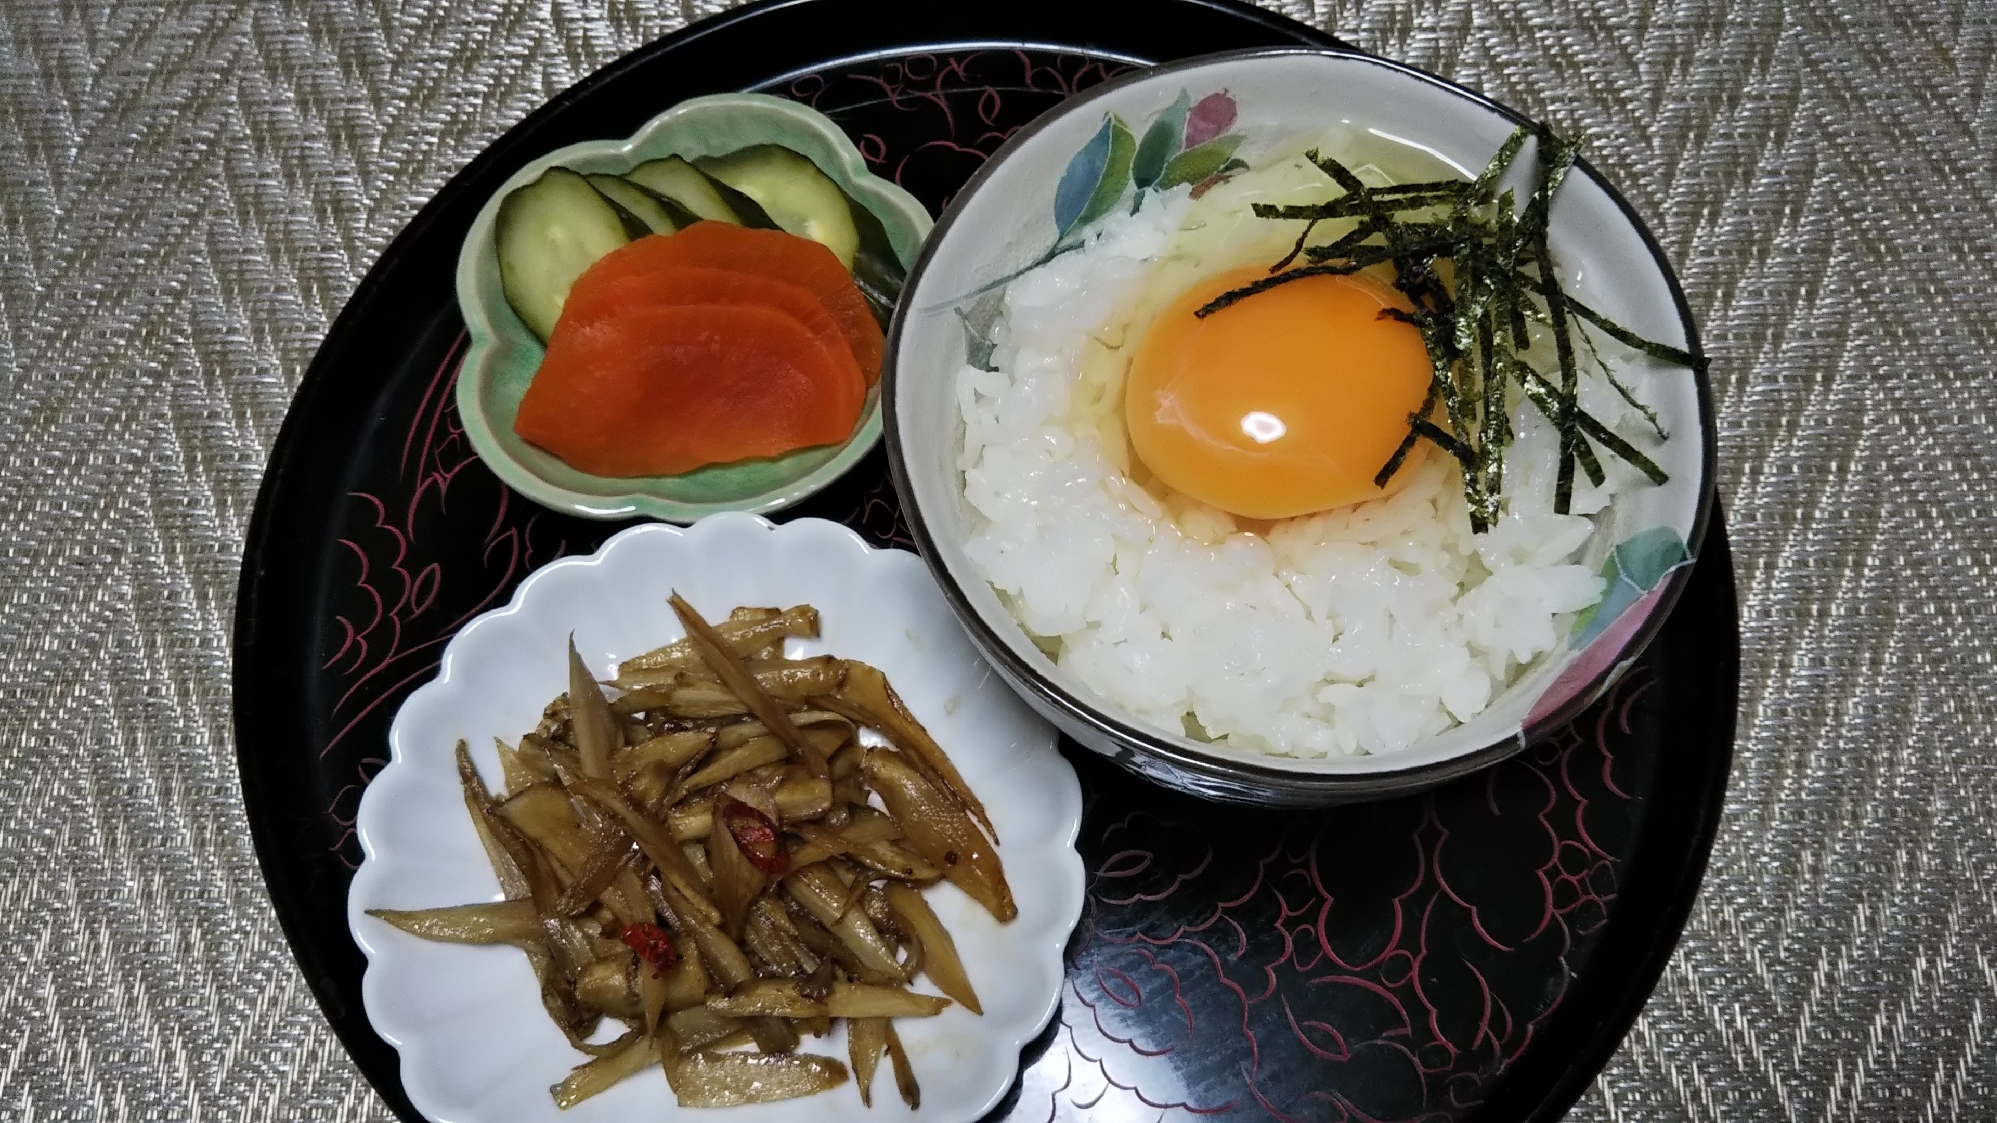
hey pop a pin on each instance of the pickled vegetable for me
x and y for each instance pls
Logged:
(547, 234)
(792, 191)
(664, 390)
(764, 253)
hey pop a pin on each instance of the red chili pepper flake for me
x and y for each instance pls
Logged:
(652, 945)
(756, 836)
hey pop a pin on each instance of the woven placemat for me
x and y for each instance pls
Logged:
(188, 194)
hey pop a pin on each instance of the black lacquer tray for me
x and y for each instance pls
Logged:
(1472, 954)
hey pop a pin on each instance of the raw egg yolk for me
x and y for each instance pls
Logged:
(1282, 404)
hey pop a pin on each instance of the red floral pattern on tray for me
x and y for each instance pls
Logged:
(961, 107)
(1380, 962)
(1373, 963)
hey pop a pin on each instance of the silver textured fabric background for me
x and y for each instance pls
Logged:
(188, 194)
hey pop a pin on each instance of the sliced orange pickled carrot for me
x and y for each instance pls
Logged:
(655, 391)
(765, 253)
(679, 284)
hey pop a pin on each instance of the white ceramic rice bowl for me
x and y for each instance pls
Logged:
(1002, 222)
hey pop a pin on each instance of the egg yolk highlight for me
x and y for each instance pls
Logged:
(1282, 404)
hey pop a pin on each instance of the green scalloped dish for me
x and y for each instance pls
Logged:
(504, 354)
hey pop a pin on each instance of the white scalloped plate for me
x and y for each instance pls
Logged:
(476, 1046)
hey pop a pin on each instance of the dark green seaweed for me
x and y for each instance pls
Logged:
(1473, 323)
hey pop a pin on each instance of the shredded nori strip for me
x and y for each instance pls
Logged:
(1501, 274)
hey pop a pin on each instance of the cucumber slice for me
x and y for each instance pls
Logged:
(802, 199)
(648, 209)
(548, 233)
(675, 179)
(681, 217)
(752, 213)
(877, 272)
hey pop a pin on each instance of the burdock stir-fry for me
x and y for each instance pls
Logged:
(715, 859)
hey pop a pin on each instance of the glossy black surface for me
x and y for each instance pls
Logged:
(1472, 953)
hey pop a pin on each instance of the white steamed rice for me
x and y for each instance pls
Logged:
(1358, 630)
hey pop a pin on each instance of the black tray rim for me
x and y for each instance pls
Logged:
(263, 541)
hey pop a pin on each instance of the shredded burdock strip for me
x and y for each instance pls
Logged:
(701, 859)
